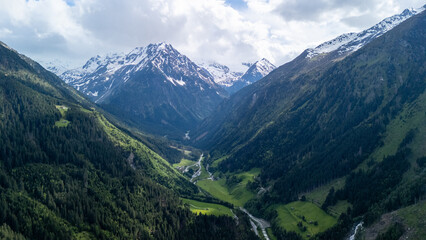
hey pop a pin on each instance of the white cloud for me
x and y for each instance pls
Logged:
(202, 29)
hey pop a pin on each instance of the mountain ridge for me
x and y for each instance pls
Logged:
(256, 71)
(135, 60)
(155, 88)
(233, 81)
(350, 42)
(351, 126)
(302, 64)
(67, 172)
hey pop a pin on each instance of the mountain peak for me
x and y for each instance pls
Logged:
(99, 75)
(260, 69)
(153, 77)
(161, 47)
(350, 42)
(234, 81)
(265, 65)
(221, 74)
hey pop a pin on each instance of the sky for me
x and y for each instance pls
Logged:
(228, 32)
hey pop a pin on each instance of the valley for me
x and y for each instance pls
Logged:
(320, 207)
(149, 144)
(218, 188)
(304, 218)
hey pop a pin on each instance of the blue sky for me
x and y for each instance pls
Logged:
(225, 31)
(237, 4)
(70, 2)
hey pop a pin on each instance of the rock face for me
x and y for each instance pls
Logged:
(221, 74)
(155, 88)
(234, 81)
(256, 72)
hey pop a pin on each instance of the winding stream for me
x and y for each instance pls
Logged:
(254, 221)
(355, 231)
(198, 172)
(261, 223)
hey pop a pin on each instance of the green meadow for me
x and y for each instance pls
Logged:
(198, 207)
(238, 195)
(308, 214)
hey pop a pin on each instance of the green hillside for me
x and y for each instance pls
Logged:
(66, 172)
(360, 119)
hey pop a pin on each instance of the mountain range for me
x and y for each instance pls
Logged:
(234, 81)
(348, 120)
(67, 172)
(158, 89)
(155, 88)
(319, 57)
(330, 145)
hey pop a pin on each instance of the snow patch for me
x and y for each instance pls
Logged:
(351, 42)
(180, 82)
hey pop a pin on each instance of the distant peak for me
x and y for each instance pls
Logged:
(263, 61)
(264, 64)
(160, 46)
(413, 10)
(351, 42)
(258, 70)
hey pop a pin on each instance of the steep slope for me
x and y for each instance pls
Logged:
(234, 81)
(221, 74)
(313, 61)
(56, 66)
(156, 88)
(305, 126)
(67, 173)
(350, 42)
(256, 72)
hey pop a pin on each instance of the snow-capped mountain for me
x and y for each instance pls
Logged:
(221, 74)
(155, 87)
(350, 42)
(256, 72)
(234, 81)
(99, 75)
(56, 66)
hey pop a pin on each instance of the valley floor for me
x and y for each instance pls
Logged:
(305, 218)
(237, 195)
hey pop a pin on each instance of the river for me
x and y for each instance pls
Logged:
(355, 231)
(261, 223)
(254, 221)
(198, 172)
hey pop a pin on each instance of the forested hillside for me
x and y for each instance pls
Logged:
(361, 118)
(67, 173)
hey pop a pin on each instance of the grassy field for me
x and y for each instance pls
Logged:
(291, 214)
(319, 194)
(183, 163)
(412, 115)
(237, 195)
(339, 208)
(160, 171)
(215, 164)
(207, 208)
(204, 174)
(62, 122)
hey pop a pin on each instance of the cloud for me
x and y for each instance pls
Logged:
(307, 10)
(44, 27)
(229, 32)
